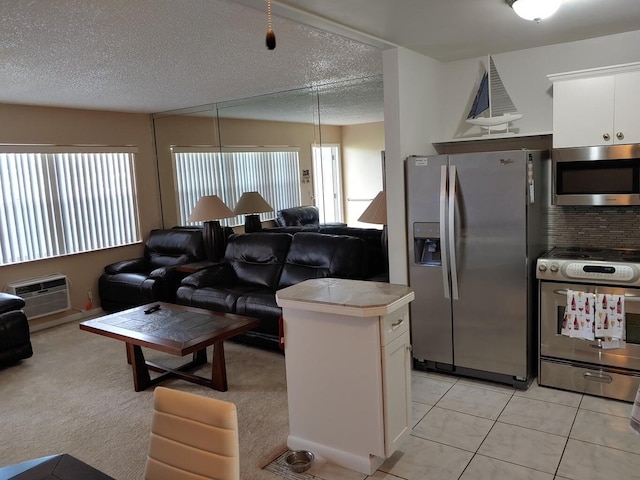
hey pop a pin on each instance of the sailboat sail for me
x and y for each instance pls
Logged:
(481, 102)
(492, 96)
(500, 100)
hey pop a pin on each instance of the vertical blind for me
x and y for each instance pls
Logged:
(275, 174)
(62, 202)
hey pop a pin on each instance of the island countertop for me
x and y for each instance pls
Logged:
(358, 298)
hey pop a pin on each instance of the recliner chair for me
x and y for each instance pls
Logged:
(153, 276)
(15, 343)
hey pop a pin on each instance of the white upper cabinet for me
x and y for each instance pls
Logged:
(596, 107)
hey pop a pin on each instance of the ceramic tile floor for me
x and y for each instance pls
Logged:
(473, 430)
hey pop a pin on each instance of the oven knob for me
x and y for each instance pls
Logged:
(542, 267)
(554, 267)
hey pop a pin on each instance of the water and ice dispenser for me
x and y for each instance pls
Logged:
(426, 238)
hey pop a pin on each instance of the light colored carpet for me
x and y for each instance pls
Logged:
(75, 395)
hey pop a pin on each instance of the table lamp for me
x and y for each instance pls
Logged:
(376, 213)
(208, 210)
(250, 204)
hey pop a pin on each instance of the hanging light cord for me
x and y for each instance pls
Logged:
(271, 37)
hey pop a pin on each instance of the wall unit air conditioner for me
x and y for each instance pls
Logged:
(42, 296)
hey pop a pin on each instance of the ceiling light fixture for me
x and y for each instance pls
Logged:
(271, 37)
(535, 10)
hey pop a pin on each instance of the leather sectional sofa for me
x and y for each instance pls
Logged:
(256, 265)
(15, 342)
(152, 277)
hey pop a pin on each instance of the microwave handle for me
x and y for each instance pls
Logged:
(627, 297)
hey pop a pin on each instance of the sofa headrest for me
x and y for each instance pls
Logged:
(317, 255)
(257, 258)
(173, 246)
(295, 216)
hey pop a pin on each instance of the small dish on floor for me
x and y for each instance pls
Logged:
(299, 460)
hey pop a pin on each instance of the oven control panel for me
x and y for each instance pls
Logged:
(549, 269)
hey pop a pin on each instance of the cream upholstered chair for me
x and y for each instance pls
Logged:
(192, 438)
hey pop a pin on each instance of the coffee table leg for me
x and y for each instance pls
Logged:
(141, 378)
(218, 368)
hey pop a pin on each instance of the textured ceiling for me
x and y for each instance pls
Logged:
(158, 55)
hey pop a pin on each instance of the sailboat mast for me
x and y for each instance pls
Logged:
(489, 71)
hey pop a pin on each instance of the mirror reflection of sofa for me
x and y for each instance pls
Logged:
(256, 265)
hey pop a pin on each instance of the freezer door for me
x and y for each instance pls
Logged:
(490, 314)
(431, 333)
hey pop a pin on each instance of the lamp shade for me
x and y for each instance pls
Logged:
(210, 207)
(252, 202)
(535, 10)
(376, 212)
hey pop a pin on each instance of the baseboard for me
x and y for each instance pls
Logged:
(74, 317)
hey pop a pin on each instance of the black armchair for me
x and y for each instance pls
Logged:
(15, 343)
(153, 277)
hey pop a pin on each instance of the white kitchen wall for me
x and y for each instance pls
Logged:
(524, 75)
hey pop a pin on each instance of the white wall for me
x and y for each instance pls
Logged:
(524, 75)
(362, 168)
(412, 83)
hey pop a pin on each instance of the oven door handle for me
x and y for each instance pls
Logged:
(627, 297)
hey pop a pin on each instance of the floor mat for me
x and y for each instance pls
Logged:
(280, 468)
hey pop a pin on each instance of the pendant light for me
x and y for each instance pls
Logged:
(535, 10)
(271, 37)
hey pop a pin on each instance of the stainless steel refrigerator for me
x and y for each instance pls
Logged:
(476, 225)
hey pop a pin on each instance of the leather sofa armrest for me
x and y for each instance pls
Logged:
(220, 274)
(10, 302)
(162, 272)
(124, 266)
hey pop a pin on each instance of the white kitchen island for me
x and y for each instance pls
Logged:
(348, 363)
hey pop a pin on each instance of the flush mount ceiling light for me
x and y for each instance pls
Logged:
(535, 10)
(271, 37)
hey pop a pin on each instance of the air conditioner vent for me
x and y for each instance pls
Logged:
(42, 296)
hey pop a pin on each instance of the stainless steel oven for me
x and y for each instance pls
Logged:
(588, 366)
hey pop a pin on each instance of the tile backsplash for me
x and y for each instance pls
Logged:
(605, 227)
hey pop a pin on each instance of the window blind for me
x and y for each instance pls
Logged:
(274, 173)
(58, 202)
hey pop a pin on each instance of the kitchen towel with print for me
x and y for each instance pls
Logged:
(609, 320)
(579, 315)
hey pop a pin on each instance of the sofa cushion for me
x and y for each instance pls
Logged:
(317, 255)
(261, 304)
(173, 247)
(257, 258)
(219, 299)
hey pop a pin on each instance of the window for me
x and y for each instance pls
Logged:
(61, 200)
(275, 173)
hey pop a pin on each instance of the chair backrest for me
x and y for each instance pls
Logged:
(166, 247)
(317, 255)
(257, 258)
(295, 216)
(192, 437)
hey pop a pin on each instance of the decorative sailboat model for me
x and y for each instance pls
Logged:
(493, 98)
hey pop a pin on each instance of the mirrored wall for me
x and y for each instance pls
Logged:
(296, 120)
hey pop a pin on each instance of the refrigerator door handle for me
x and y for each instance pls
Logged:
(451, 232)
(443, 228)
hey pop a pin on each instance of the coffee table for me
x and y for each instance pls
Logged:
(177, 330)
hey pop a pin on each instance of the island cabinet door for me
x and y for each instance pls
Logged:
(396, 379)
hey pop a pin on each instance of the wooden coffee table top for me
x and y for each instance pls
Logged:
(174, 329)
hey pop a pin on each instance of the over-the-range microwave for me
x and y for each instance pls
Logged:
(603, 175)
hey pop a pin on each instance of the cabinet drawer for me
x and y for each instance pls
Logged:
(393, 325)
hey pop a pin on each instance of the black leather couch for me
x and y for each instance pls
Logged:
(377, 265)
(256, 265)
(15, 342)
(153, 276)
(298, 216)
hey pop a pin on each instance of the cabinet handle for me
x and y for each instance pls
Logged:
(395, 325)
(606, 137)
(619, 135)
